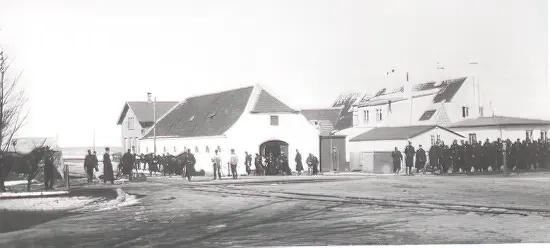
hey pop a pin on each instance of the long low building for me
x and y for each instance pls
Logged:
(249, 119)
(371, 151)
(503, 127)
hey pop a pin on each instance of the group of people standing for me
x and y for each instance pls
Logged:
(476, 157)
(91, 163)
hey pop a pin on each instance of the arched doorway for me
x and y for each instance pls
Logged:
(275, 147)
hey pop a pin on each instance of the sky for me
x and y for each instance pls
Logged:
(82, 60)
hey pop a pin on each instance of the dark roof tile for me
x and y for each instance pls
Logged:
(206, 115)
(427, 115)
(144, 110)
(450, 90)
(267, 103)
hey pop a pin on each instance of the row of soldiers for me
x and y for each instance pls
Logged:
(277, 165)
(476, 157)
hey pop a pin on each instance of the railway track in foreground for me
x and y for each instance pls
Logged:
(228, 189)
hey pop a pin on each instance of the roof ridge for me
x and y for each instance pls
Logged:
(219, 92)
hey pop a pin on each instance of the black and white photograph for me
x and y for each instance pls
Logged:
(274, 123)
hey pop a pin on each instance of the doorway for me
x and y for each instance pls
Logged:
(275, 147)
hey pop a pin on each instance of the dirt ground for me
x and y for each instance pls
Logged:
(337, 210)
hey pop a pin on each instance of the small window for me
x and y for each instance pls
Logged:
(207, 149)
(219, 149)
(465, 112)
(196, 149)
(365, 116)
(130, 123)
(438, 140)
(174, 149)
(165, 149)
(315, 123)
(147, 150)
(274, 120)
(379, 116)
(433, 139)
(543, 135)
(472, 138)
(481, 111)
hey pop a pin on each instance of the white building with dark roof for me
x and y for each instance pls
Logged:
(503, 127)
(249, 119)
(136, 118)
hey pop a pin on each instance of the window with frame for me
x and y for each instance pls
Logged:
(438, 140)
(164, 149)
(543, 135)
(366, 116)
(472, 138)
(196, 149)
(481, 111)
(175, 149)
(274, 120)
(433, 139)
(131, 123)
(379, 116)
(219, 149)
(465, 112)
(207, 149)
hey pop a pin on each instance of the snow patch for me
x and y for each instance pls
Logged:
(29, 194)
(17, 182)
(122, 200)
(45, 204)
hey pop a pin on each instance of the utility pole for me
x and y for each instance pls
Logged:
(94, 140)
(154, 121)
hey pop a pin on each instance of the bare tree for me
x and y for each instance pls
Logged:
(12, 100)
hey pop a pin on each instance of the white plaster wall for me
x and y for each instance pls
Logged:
(493, 133)
(202, 157)
(252, 130)
(127, 133)
(351, 133)
(389, 145)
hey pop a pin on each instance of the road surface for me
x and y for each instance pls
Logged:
(330, 210)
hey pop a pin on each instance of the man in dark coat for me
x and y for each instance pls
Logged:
(455, 149)
(488, 155)
(108, 174)
(271, 166)
(499, 146)
(298, 160)
(523, 156)
(468, 157)
(420, 159)
(89, 166)
(434, 154)
(190, 162)
(409, 157)
(514, 156)
(533, 154)
(397, 158)
(447, 158)
(478, 156)
(127, 163)
(284, 163)
(49, 168)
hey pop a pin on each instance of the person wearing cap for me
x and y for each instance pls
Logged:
(409, 157)
(89, 166)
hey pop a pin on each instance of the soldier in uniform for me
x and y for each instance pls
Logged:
(397, 158)
(189, 165)
(258, 165)
(478, 156)
(270, 162)
(284, 163)
(499, 153)
(409, 157)
(434, 154)
(248, 163)
(49, 168)
(89, 166)
(533, 154)
(523, 156)
(298, 160)
(108, 174)
(312, 163)
(455, 149)
(127, 163)
(420, 159)
(468, 157)
(447, 158)
(488, 156)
